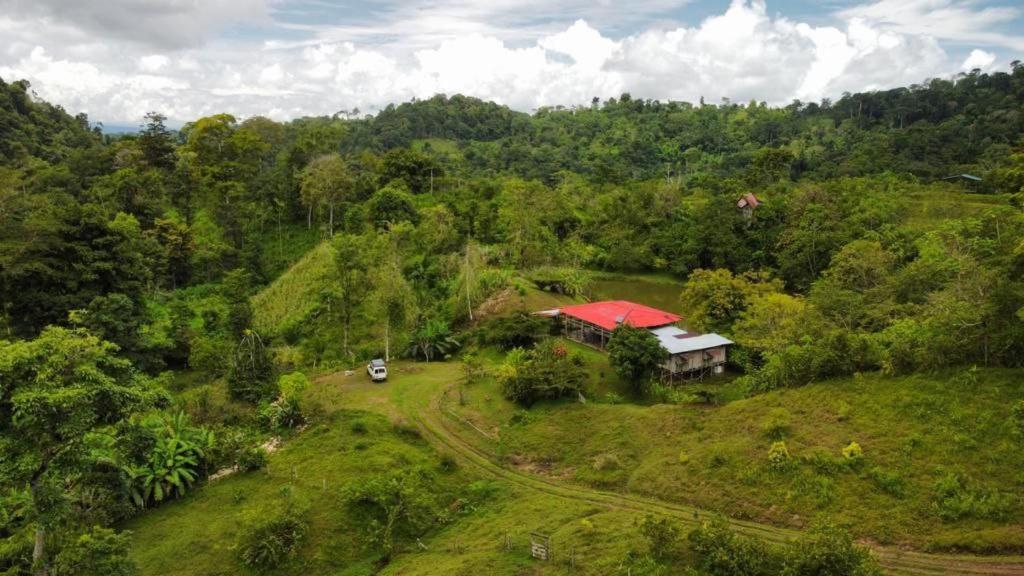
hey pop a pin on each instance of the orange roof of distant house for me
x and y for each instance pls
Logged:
(610, 313)
(748, 199)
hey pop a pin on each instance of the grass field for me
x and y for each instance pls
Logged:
(912, 429)
(914, 432)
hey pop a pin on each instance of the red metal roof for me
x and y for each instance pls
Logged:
(609, 313)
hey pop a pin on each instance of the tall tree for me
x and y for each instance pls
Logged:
(326, 181)
(156, 142)
(352, 261)
(55, 391)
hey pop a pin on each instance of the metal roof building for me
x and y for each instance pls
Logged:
(690, 355)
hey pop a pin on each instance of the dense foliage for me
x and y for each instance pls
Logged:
(233, 250)
(545, 372)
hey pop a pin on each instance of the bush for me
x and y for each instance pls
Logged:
(828, 549)
(252, 458)
(776, 425)
(448, 463)
(358, 427)
(273, 536)
(1017, 418)
(284, 412)
(721, 552)
(546, 372)
(389, 507)
(956, 498)
(824, 462)
(604, 462)
(97, 552)
(251, 373)
(778, 456)
(519, 330)
(889, 482)
(853, 454)
(663, 538)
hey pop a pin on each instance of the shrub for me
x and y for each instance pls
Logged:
(171, 461)
(448, 463)
(402, 504)
(520, 330)
(547, 371)
(613, 398)
(824, 462)
(273, 536)
(252, 458)
(97, 552)
(605, 462)
(251, 373)
(663, 537)
(281, 413)
(828, 549)
(1017, 418)
(721, 552)
(358, 427)
(684, 458)
(778, 456)
(853, 453)
(776, 425)
(889, 482)
(956, 498)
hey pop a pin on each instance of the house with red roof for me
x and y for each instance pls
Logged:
(747, 204)
(690, 354)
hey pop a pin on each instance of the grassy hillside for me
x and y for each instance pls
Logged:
(913, 431)
(317, 466)
(940, 467)
(293, 296)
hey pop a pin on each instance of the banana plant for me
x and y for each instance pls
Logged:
(174, 463)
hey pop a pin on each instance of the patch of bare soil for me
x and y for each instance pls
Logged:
(495, 304)
(540, 468)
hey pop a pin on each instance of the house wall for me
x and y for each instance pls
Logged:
(687, 361)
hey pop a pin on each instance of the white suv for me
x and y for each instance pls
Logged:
(377, 370)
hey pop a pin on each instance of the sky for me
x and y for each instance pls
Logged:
(118, 59)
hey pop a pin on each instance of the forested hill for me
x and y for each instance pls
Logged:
(100, 223)
(30, 127)
(935, 129)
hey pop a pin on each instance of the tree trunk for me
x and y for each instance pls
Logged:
(330, 226)
(39, 567)
(469, 279)
(309, 217)
(387, 340)
(345, 337)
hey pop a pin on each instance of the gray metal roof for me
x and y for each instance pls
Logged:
(377, 363)
(678, 341)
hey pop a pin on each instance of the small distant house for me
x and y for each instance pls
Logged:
(747, 204)
(690, 355)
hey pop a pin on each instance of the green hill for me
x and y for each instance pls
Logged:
(291, 298)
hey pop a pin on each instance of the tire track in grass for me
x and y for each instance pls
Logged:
(439, 428)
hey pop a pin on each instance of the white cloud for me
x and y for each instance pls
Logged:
(743, 53)
(153, 62)
(978, 59)
(164, 23)
(956, 20)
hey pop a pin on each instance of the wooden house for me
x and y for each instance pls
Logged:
(690, 355)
